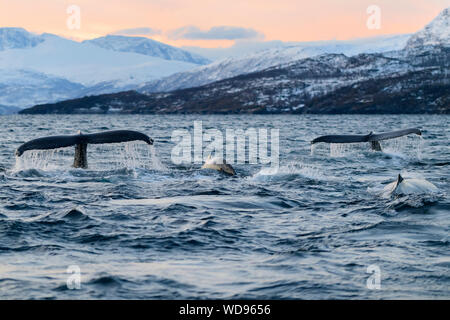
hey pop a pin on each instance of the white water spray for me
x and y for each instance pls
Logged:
(44, 160)
(139, 155)
(292, 169)
(130, 155)
(343, 149)
(406, 145)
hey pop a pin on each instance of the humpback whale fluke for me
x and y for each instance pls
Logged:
(371, 137)
(80, 141)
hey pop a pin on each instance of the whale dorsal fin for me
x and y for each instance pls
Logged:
(399, 180)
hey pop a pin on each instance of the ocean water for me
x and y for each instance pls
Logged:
(137, 226)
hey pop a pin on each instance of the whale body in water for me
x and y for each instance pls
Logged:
(410, 186)
(219, 165)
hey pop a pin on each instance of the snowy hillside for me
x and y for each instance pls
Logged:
(88, 64)
(17, 38)
(146, 47)
(396, 82)
(45, 68)
(299, 79)
(230, 67)
(437, 32)
(24, 88)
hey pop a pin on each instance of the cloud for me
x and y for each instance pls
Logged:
(215, 33)
(137, 31)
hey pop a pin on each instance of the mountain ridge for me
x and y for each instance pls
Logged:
(17, 38)
(299, 80)
(260, 60)
(437, 32)
(148, 47)
(401, 82)
(48, 59)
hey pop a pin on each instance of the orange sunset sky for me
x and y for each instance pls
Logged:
(211, 23)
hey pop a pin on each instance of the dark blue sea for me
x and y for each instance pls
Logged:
(135, 225)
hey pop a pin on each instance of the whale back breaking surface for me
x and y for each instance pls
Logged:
(219, 165)
(410, 186)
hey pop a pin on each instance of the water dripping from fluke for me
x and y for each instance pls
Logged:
(403, 147)
(128, 155)
(38, 154)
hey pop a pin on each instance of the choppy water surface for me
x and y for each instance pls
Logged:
(147, 228)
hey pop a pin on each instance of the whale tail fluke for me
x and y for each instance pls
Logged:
(372, 138)
(80, 141)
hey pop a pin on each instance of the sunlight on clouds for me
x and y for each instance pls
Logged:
(286, 20)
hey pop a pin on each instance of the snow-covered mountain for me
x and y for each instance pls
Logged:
(147, 47)
(437, 32)
(17, 38)
(230, 67)
(397, 82)
(88, 64)
(23, 87)
(413, 79)
(243, 48)
(58, 68)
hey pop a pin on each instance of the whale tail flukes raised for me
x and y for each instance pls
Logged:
(372, 138)
(80, 141)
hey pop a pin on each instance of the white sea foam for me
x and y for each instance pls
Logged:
(291, 170)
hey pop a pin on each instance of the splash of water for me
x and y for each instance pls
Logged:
(343, 149)
(290, 170)
(338, 149)
(407, 145)
(130, 155)
(313, 149)
(43, 160)
(156, 162)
